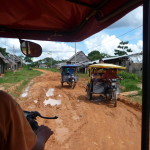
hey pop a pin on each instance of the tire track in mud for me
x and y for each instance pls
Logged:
(83, 124)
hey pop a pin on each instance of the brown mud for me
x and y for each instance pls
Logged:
(83, 124)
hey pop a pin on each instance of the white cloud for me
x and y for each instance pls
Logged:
(136, 48)
(100, 41)
(60, 50)
(56, 50)
(105, 43)
(12, 45)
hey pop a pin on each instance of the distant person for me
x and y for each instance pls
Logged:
(101, 61)
(71, 71)
(15, 131)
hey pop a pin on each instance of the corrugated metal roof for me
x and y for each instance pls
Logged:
(4, 59)
(79, 57)
(1, 56)
(136, 58)
(11, 61)
(115, 57)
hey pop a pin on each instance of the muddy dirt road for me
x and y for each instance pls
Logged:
(82, 125)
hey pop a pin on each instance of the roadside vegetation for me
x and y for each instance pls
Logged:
(51, 69)
(17, 80)
(83, 75)
(131, 82)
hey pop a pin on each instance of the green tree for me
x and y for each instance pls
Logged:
(49, 61)
(95, 55)
(21, 57)
(122, 49)
(3, 51)
(28, 59)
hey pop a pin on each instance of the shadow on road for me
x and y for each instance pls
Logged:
(97, 99)
(64, 87)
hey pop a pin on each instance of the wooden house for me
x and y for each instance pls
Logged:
(132, 62)
(16, 62)
(43, 66)
(3, 64)
(79, 57)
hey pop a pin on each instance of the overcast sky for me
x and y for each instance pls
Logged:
(129, 28)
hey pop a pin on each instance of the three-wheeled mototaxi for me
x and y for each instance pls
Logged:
(104, 79)
(69, 75)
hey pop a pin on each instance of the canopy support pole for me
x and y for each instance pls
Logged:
(146, 77)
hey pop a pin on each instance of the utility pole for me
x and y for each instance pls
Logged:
(13, 58)
(75, 52)
(50, 57)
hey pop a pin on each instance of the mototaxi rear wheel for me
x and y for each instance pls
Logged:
(114, 98)
(89, 94)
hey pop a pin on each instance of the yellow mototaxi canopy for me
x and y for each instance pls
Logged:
(107, 66)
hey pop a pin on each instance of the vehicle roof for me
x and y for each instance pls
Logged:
(60, 20)
(70, 65)
(106, 66)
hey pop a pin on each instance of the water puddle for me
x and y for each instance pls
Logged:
(25, 94)
(50, 92)
(35, 101)
(52, 102)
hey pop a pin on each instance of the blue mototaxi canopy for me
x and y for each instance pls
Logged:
(64, 66)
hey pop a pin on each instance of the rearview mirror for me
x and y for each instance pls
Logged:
(30, 49)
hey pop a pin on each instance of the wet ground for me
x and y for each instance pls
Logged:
(82, 124)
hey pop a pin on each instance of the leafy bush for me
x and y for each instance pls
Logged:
(130, 81)
(127, 75)
(140, 92)
(131, 87)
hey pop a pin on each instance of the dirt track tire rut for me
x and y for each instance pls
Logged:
(83, 124)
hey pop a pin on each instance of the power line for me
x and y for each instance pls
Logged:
(122, 34)
(129, 31)
(5, 44)
(72, 51)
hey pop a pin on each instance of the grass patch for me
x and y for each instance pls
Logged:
(130, 83)
(21, 77)
(51, 69)
(136, 98)
(83, 75)
(22, 85)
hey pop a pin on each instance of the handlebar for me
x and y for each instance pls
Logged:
(31, 117)
(35, 114)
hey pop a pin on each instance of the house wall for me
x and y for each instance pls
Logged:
(136, 68)
(19, 64)
(130, 66)
(43, 66)
(2, 67)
